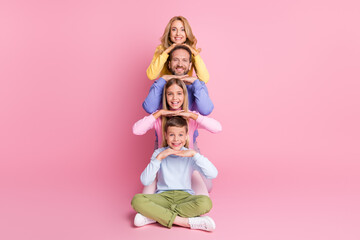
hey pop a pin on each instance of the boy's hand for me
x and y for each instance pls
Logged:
(186, 153)
(166, 153)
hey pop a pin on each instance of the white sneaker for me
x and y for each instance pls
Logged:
(141, 220)
(203, 223)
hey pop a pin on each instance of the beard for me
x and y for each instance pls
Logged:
(173, 71)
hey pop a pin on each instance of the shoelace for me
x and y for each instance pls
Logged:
(199, 224)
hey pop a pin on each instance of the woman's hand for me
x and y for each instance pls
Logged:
(193, 50)
(185, 153)
(165, 153)
(168, 50)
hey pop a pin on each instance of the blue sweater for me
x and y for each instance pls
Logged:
(174, 172)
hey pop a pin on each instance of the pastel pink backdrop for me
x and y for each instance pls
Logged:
(285, 83)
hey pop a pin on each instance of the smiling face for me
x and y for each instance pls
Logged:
(176, 137)
(177, 32)
(180, 62)
(175, 97)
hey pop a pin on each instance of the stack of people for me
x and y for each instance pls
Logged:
(178, 178)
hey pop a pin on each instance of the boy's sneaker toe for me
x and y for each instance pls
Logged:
(203, 223)
(141, 220)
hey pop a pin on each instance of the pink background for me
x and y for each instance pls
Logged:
(284, 81)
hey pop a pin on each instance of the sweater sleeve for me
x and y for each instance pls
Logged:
(203, 165)
(144, 125)
(209, 124)
(203, 103)
(157, 63)
(149, 174)
(153, 100)
(200, 69)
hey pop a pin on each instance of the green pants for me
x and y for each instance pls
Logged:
(164, 207)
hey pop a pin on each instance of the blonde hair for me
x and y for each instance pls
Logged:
(185, 105)
(190, 38)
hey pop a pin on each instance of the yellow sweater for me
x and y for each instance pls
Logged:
(157, 66)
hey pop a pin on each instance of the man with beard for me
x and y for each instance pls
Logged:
(179, 64)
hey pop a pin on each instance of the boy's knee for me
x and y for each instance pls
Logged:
(136, 201)
(204, 204)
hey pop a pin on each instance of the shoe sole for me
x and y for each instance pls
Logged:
(144, 223)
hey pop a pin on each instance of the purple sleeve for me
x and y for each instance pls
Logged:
(153, 99)
(199, 99)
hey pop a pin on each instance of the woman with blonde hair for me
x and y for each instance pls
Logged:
(177, 32)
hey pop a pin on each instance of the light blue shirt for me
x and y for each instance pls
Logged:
(174, 172)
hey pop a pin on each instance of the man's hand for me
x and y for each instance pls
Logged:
(165, 153)
(188, 80)
(168, 77)
(185, 78)
(185, 153)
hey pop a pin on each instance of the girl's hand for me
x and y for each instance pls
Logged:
(188, 115)
(166, 153)
(163, 112)
(193, 50)
(167, 113)
(185, 153)
(170, 113)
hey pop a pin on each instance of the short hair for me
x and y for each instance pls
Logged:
(176, 121)
(176, 48)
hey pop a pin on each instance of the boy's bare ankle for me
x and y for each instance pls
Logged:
(180, 221)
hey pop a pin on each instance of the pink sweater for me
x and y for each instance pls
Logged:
(202, 122)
